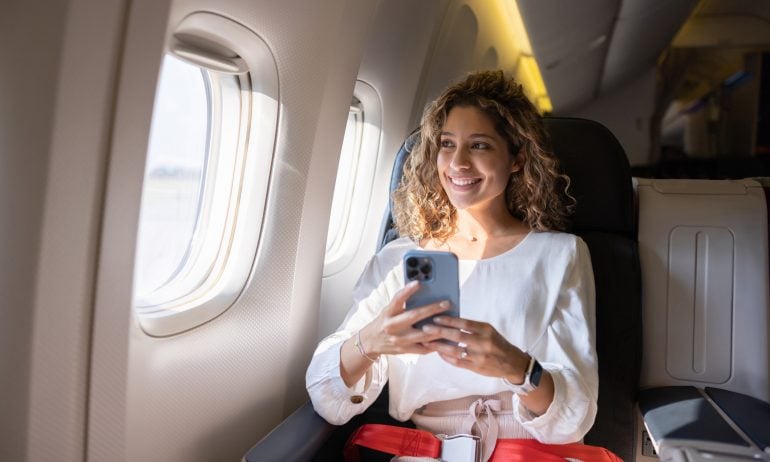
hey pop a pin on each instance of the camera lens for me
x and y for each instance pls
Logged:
(426, 269)
(411, 262)
(412, 274)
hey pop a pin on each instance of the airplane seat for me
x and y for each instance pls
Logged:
(605, 218)
(387, 231)
(705, 381)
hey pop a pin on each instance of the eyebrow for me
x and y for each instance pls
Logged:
(473, 135)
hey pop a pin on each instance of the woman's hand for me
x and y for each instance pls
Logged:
(481, 349)
(389, 333)
(392, 333)
(478, 347)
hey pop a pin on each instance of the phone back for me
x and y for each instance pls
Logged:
(439, 280)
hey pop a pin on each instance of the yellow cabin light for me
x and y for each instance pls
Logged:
(518, 31)
(528, 73)
(543, 104)
(527, 70)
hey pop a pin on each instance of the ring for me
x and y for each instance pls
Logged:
(464, 354)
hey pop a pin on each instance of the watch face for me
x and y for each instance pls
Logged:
(537, 372)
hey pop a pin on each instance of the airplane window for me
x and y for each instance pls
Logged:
(176, 159)
(355, 174)
(209, 157)
(346, 173)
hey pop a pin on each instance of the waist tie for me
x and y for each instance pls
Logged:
(489, 431)
(490, 417)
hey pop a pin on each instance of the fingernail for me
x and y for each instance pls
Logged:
(412, 284)
(428, 329)
(444, 304)
(439, 319)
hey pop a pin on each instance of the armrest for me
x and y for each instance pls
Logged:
(296, 439)
(689, 424)
(749, 414)
(682, 413)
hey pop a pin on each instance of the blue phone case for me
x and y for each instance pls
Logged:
(439, 280)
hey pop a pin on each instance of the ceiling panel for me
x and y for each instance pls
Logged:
(569, 41)
(589, 47)
(643, 30)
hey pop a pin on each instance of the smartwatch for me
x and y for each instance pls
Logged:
(531, 378)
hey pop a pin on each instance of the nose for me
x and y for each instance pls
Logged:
(460, 158)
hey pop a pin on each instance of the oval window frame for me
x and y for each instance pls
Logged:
(360, 197)
(221, 45)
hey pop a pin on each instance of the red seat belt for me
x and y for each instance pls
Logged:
(402, 441)
(399, 441)
(528, 450)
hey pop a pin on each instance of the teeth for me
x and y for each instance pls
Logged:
(464, 181)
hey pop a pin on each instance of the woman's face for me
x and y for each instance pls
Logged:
(474, 162)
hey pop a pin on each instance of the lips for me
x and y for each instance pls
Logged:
(458, 181)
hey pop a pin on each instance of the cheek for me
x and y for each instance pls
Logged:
(442, 160)
(441, 165)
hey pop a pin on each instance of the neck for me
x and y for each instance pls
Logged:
(481, 226)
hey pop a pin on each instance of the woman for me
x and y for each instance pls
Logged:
(481, 185)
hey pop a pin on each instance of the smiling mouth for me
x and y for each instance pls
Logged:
(464, 181)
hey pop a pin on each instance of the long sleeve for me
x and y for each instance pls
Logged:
(539, 295)
(567, 351)
(331, 398)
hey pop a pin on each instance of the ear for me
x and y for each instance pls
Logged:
(517, 162)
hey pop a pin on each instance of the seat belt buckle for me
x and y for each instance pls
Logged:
(460, 448)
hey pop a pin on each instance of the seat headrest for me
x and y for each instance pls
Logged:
(398, 164)
(599, 171)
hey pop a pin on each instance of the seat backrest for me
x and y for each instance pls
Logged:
(704, 249)
(604, 217)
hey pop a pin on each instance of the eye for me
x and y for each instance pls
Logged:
(480, 146)
(447, 144)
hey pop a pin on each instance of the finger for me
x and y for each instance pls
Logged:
(464, 363)
(396, 305)
(447, 349)
(406, 319)
(414, 315)
(449, 333)
(413, 336)
(442, 347)
(461, 323)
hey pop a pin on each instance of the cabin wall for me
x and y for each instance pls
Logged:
(27, 93)
(71, 229)
(626, 111)
(213, 391)
(400, 40)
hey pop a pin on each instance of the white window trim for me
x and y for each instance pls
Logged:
(349, 238)
(222, 45)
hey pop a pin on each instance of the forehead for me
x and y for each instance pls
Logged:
(466, 120)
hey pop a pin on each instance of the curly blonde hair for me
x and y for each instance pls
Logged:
(537, 194)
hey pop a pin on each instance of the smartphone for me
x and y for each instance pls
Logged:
(439, 280)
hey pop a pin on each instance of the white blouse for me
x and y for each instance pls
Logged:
(538, 295)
